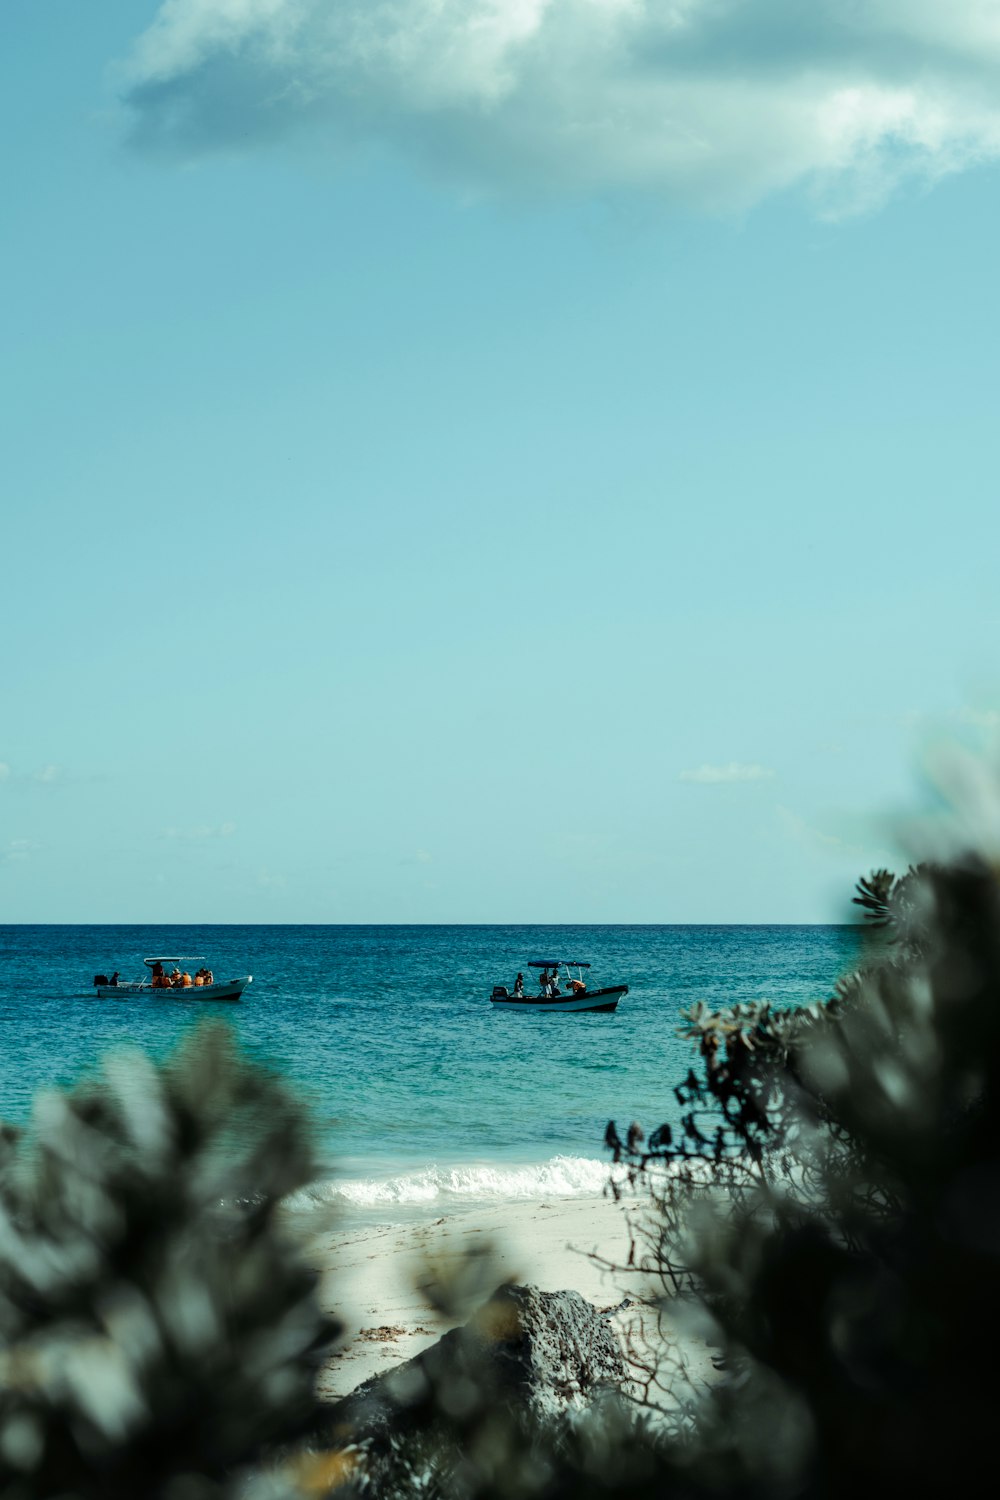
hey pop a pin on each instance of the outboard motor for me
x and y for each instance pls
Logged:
(100, 979)
(501, 992)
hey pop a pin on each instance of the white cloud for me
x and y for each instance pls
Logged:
(734, 771)
(863, 842)
(712, 103)
(17, 849)
(201, 831)
(806, 833)
(44, 776)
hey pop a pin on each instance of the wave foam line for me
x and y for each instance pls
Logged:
(562, 1177)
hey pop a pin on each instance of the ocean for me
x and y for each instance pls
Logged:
(424, 1095)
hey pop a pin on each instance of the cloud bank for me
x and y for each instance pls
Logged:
(714, 104)
(734, 771)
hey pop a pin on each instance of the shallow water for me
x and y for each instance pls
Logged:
(423, 1093)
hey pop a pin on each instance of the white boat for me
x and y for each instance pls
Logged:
(158, 983)
(562, 987)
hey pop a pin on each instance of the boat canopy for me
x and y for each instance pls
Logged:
(189, 958)
(555, 963)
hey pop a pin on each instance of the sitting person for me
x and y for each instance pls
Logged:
(185, 980)
(175, 978)
(159, 980)
(209, 977)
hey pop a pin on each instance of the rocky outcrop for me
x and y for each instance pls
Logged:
(530, 1355)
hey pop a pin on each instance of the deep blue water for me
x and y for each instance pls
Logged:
(419, 1087)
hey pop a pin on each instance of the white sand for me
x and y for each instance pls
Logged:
(371, 1276)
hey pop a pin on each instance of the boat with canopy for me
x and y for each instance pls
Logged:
(171, 975)
(563, 986)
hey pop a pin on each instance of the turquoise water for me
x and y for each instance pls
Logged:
(422, 1092)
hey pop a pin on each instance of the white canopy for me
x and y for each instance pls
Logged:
(196, 958)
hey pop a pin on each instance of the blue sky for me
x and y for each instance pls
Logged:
(501, 462)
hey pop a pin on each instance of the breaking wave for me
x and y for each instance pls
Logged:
(472, 1182)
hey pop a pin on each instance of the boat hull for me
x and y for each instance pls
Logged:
(594, 1000)
(226, 989)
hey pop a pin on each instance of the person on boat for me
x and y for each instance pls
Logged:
(543, 980)
(114, 979)
(554, 983)
(519, 986)
(209, 977)
(159, 979)
(578, 987)
(175, 978)
(185, 980)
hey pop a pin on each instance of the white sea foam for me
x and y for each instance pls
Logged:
(451, 1186)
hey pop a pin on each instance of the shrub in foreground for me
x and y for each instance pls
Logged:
(157, 1331)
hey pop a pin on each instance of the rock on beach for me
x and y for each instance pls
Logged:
(545, 1354)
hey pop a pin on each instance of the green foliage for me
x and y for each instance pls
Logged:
(157, 1329)
(848, 1248)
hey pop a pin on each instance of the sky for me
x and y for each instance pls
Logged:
(498, 461)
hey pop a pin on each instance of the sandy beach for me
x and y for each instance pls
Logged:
(372, 1277)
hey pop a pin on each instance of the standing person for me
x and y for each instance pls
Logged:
(554, 983)
(519, 986)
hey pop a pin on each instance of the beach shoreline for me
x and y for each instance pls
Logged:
(370, 1276)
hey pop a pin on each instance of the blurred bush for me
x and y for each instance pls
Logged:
(830, 1201)
(157, 1331)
